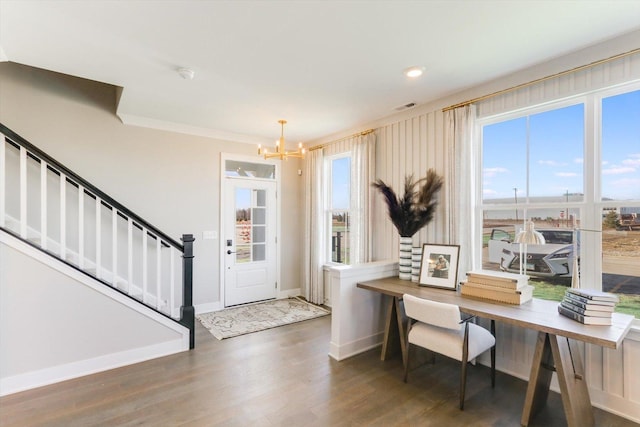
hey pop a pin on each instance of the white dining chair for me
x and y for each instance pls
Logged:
(438, 327)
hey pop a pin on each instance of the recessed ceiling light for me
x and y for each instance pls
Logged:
(186, 73)
(414, 72)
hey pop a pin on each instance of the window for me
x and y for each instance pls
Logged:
(573, 168)
(338, 207)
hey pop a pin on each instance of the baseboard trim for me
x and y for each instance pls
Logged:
(355, 347)
(208, 307)
(289, 293)
(43, 377)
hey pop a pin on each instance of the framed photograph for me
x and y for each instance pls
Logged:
(439, 267)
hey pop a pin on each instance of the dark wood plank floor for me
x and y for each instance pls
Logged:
(279, 377)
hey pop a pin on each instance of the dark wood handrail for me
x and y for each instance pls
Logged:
(187, 311)
(39, 154)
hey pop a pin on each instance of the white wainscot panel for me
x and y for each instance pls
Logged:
(357, 315)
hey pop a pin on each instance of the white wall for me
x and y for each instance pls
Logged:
(54, 327)
(171, 180)
(413, 141)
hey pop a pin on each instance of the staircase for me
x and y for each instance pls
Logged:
(56, 212)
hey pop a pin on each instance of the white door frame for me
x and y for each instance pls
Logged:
(222, 247)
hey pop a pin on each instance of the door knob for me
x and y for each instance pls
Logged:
(229, 252)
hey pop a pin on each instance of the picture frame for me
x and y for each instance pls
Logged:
(439, 266)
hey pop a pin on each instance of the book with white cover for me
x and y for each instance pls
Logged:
(594, 295)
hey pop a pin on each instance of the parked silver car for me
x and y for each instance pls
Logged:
(554, 258)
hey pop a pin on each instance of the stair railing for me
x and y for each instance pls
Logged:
(53, 209)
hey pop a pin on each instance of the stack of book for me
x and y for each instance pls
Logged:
(497, 286)
(588, 306)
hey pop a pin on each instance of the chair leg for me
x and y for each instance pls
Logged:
(406, 363)
(493, 356)
(465, 362)
(463, 383)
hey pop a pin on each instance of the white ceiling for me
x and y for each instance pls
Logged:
(325, 66)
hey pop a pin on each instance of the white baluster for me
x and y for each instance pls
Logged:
(114, 246)
(98, 238)
(129, 256)
(3, 180)
(43, 204)
(23, 193)
(158, 270)
(144, 265)
(80, 226)
(63, 216)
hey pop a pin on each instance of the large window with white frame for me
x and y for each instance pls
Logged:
(338, 207)
(573, 169)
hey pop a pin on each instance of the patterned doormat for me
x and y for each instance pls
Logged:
(246, 319)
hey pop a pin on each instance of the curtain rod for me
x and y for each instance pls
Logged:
(363, 133)
(542, 79)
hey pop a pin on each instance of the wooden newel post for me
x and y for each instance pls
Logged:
(187, 312)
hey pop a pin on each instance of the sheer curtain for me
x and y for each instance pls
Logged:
(314, 239)
(461, 176)
(363, 151)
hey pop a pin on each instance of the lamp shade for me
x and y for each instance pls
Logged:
(530, 236)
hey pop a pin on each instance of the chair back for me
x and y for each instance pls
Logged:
(432, 312)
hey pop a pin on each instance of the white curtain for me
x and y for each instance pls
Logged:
(314, 247)
(363, 151)
(461, 177)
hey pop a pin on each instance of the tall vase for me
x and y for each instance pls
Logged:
(404, 258)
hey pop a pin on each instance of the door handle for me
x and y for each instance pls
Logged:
(229, 252)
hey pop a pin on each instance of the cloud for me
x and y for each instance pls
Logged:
(631, 162)
(489, 172)
(627, 183)
(618, 170)
(552, 163)
(579, 160)
(489, 192)
(624, 188)
(566, 174)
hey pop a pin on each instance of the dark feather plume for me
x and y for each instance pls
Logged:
(414, 209)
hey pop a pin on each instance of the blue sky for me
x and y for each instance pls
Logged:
(556, 152)
(340, 182)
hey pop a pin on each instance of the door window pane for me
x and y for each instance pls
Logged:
(234, 168)
(251, 229)
(259, 216)
(259, 252)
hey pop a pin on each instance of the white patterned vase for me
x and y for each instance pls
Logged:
(404, 258)
(416, 260)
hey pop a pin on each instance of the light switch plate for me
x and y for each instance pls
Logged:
(209, 235)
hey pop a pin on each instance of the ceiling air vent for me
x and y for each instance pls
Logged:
(405, 106)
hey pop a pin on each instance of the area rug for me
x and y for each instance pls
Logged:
(235, 321)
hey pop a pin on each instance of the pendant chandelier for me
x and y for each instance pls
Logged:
(280, 151)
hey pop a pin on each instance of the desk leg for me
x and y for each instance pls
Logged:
(559, 354)
(573, 385)
(391, 333)
(394, 330)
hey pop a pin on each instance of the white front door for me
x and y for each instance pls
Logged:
(249, 241)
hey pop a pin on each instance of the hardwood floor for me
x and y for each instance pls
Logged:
(280, 377)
